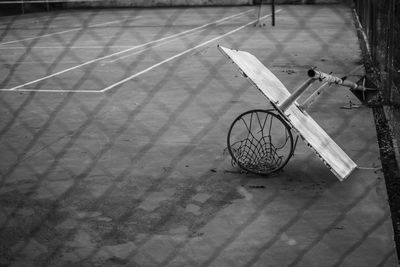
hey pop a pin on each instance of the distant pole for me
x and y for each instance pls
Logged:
(259, 14)
(273, 12)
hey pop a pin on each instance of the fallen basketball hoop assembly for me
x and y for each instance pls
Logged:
(261, 141)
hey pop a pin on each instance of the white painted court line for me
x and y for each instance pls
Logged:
(183, 53)
(66, 31)
(113, 60)
(63, 47)
(151, 47)
(146, 49)
(127, 50)
(51, 91)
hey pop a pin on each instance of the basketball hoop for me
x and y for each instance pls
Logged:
(261, 141)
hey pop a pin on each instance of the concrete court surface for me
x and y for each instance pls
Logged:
(138, 175)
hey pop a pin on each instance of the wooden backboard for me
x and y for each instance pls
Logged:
(316, 138)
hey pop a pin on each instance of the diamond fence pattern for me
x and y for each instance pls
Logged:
(112, 132)
(380, 21)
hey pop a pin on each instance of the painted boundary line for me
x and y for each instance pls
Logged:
(63, 47)
(66, 31)
(182, 53)
(120, 52)
(148, 48)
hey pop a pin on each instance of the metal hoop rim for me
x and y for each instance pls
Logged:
(275, 114)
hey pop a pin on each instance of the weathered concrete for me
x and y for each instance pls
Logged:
(139, 176)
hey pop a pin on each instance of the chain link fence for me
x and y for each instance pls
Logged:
(381, 23)
(112, 132)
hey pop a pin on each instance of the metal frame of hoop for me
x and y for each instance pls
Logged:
(270, 160)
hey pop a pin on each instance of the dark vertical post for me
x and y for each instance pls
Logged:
(373, 18)
(259, 14)
(273, 12)
(390, 49)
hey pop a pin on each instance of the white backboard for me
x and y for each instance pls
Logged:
(321, 143)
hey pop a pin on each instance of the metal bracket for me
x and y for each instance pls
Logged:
(366, 90)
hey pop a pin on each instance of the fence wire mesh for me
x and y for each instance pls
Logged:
(113, 123)
(381, 23)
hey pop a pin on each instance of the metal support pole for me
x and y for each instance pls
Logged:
(296, 94)
(323, 77)
(318, 92)
(273, 12)
(314, 96)
(258, 14)
(364, 89)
